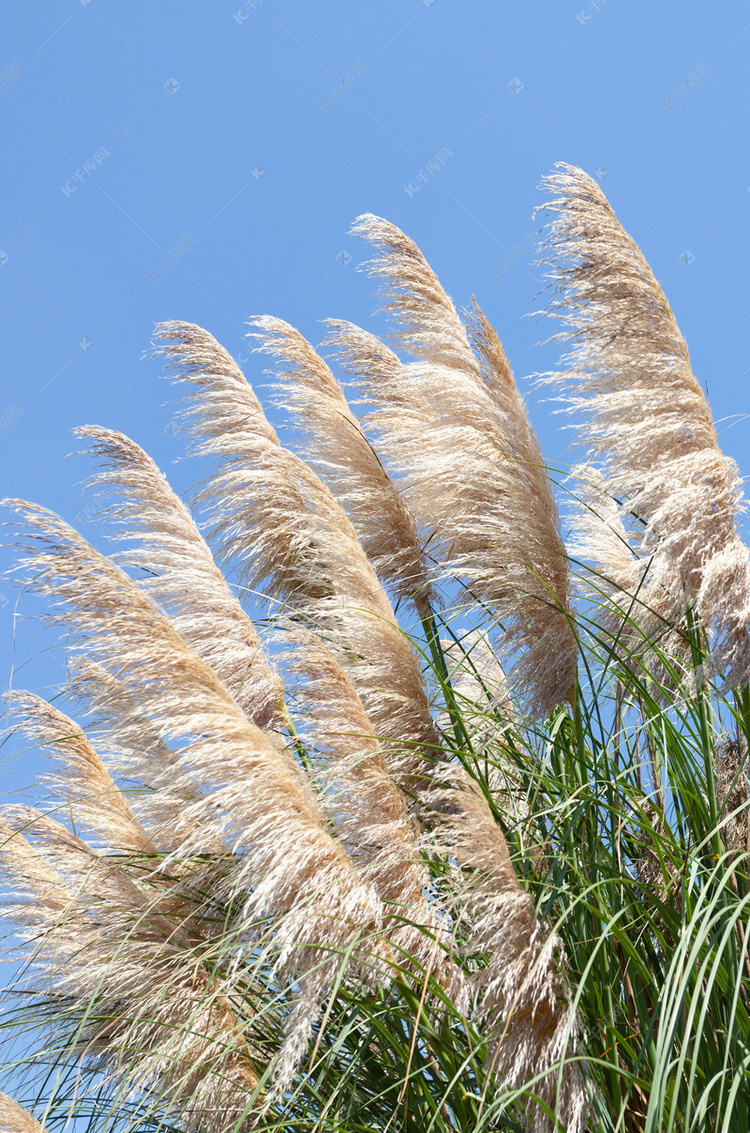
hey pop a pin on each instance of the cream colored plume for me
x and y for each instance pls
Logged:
(524, 995)
(454, 425)
(480, 689)
(600, 534)
(369, 810)
(641, 414)
(15, 1119)
(129, 963)
(337, 447)
(477, 676)
(271, 515)
(35, 881)
(182, 575)
(83, 784)
(285, 865)
(136, 751)
(276, 519)
(632, 616)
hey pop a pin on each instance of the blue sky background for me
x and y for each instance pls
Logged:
(204, 162)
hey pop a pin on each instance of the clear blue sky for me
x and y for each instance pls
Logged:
(204, 162)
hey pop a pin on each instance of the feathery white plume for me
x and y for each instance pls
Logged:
(641, 413)
(271, 515)
(285, 864)
(277, 520)
(631, 615)
(15, 1119)
(524, 993)
(182, 575)
(369, 810)
(134, 747)
(337, 447)
(127, 967)
(83, 782)
(453, 423)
